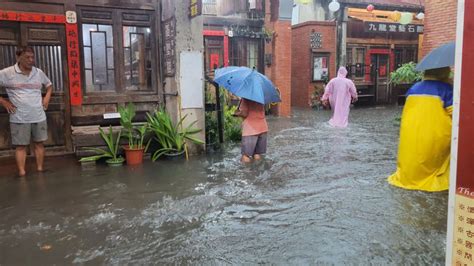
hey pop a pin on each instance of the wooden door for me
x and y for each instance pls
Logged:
(381, 76)
(50, 56)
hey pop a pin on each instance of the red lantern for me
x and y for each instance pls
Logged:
(370, 8)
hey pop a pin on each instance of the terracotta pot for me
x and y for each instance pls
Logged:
(133, 156)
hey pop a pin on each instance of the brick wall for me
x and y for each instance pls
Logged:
(440, 23)
(281, 65)
(302, 84)
(279, 71)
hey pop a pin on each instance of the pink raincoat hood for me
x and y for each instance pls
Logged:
(342, 72)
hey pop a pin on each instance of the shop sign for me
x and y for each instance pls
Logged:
(392, 27)
(195, 8)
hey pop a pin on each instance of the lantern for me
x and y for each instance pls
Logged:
(304, 2)
(395, 16)
(334, 6)
(406, 18)
(420, 16)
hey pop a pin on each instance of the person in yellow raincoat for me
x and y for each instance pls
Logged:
(425, 134)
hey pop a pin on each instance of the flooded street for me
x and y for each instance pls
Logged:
(320, 196)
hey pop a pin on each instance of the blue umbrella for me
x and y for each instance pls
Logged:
(247, 83)
(442, 56)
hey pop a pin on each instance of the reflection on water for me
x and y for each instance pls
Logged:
(320, 196)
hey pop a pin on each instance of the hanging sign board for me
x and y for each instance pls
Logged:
(191, 79)
(195, 8)
(392, 27)
(460, 240)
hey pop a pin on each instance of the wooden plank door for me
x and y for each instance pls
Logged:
(382, 70)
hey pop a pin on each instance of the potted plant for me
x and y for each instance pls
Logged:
(111, 153)
(171, 139)
(135, 134)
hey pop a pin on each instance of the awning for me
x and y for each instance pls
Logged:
(379, 21)
(377, 16)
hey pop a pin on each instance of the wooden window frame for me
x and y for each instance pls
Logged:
(118, 20)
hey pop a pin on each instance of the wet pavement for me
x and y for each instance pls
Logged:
(319, 197)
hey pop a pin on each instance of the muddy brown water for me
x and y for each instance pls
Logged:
(319, 197)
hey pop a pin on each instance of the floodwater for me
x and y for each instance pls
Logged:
(319, 197)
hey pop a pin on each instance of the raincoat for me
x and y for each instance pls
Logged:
(425, 138)
(340, 91)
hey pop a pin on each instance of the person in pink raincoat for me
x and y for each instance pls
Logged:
(339, 93)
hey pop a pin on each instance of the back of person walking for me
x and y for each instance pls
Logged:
(254, 130)
(26, 106)
(339, 93)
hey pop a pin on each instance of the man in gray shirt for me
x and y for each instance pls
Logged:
(26, 106)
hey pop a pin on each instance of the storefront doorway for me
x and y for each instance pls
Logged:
(48, 41)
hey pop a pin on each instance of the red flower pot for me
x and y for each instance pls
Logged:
(133, 156)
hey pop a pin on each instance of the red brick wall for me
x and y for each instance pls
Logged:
(279, 72)
(301, 84)
(440, 23)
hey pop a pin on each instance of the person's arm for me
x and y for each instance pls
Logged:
(353, 92)
(5, 102)
(49, 89)
(242, 111)
(47, 97)
(327, 94)
(7, 105)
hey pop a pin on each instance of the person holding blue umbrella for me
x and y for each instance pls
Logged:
(254, 130)
(255, 90)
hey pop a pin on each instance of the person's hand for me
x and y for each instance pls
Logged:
(353, 100)
(325, 103)
(45, 103)
(8, 105)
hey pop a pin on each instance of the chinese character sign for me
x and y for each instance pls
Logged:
(169, 30)
(461, 221)
(73, 64)
(195, 8)
(392, 27)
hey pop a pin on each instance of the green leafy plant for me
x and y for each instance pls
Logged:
(405, 74)
(135, 134)
(111, 152)
(315, 100)
(172, 138)
(232, 124)
(211, 127)
(268, 34)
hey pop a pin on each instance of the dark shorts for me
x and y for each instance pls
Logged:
(23, 133)
(252, 145)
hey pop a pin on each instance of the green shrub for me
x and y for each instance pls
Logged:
(406, 74)
(232, 124)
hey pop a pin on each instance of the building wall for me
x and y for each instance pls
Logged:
(440, 23)
(280, 70)
(189, 38)
(302, 84)
(279, 48)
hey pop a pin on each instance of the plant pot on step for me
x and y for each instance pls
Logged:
(133, 156)
(115, 162)
(174, 155)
